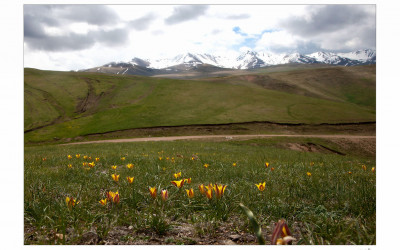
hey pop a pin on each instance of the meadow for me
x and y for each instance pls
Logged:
(325, 198)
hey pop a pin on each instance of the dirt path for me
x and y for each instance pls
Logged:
(226, 137)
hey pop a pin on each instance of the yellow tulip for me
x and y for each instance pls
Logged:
(71, 202)
(219, 190)
(130, 179)
(308, 174)
(113, 197)
(178, 184)
(103, 202)
(164, 194)
(77, 156)
(202, 190)
(261, 186)
(114, 167)
(130, 165)
(190, 193)
(209, 194)
(115, 177)
(153, 191)
(177, 175)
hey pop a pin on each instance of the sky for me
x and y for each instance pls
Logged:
(73, 37)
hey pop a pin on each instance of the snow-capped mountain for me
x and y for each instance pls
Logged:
(246, 60)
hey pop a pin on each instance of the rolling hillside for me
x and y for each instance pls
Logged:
(71, 104)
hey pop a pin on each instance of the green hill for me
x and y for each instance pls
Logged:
(71, 104)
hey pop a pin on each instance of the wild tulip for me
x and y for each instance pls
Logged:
(349, 172)
(160, 158)
(177, 175)
(130, 165)
(178, 184)
(103, 202)
(312, 163)
(308, 174)
(281, 234)
(78, 156)
(71, 202)
(122, 158)
(97, 159)
(164, 194)
(234, 164)
(114, 167)
(364, 167)
(130, 179)
(85, 164)
(209, 193)
(44, 159)
(91, 164)
(115, 177)
(190, 193)
(272, 168)
(202, 189)
(113, 197)
(89, 158)
(69, 165)
(206, 165)
(153, 191)
(189, 180)
(219, 190)
(373, 170)
(267, 164)
(85, 157)
(261, 186)
(69, 157)
(116, 198)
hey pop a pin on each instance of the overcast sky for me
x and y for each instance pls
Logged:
(71, 37)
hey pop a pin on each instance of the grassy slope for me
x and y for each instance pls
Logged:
(122, 102)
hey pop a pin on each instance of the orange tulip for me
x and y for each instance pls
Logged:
(153, 191)
(178, 184)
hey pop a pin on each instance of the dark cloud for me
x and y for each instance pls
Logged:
(92, 14)
(38, 17)
(186, 13)
(142, 23)
(238, 17)
(326, 19)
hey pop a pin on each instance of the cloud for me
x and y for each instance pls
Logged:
(334, 27)
(238, 17)
(325, 19)
(37, 24)
(142, 23)
(185, 13)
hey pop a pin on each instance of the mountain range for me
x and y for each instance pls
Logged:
(246, 60)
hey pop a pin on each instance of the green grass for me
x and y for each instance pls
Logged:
(330, 207)
(126, 102)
